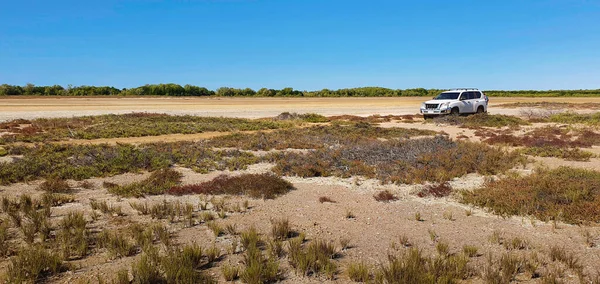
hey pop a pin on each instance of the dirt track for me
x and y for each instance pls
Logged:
(35, 107)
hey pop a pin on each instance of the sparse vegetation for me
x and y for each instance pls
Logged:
(130, 125)
(481, 120)
(85, 161)
(569, 154)
(568, 193)
(435, 159)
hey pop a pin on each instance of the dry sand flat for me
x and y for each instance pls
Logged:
(35, 107)
(375, 226)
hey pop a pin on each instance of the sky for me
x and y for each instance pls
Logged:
(304, 44)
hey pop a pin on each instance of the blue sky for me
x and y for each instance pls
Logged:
(305, 44)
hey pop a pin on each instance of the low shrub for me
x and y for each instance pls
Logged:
(436, 190)
(267, 186)
(85, 161)
(132, 125)
(157, 183)
(316, 137)
(564, 194)
(436, 159)
(55, 185)
(481, 120)
(569, 154)
(385, 196)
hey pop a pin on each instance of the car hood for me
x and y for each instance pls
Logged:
(438, 101)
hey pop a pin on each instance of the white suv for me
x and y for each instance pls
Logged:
(456, 101)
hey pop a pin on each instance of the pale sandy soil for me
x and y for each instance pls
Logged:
(376, 225)
(36, 107)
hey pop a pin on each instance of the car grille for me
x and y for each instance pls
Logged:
(431, 106)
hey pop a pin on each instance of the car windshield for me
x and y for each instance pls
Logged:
(447, 96)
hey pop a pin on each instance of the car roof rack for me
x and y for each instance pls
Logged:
(458, 89)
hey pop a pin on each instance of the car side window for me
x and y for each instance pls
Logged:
(464, 96)
(477, 95)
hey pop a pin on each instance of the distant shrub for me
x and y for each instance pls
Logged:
(308, 117)
(266, 186)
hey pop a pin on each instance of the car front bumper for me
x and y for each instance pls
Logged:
(435, 111)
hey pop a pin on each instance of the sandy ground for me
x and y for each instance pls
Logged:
(376, 225)
(36, 107)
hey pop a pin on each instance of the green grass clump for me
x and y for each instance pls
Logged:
(73, 236)
(358, 272)
(413, 267)
(563, 194)
(33, 264)
(3, 152)
(157, 183)
(315, 259)
(118, 245)
(258, 268)
(569, 154)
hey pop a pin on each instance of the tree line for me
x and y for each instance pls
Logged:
(196, 91)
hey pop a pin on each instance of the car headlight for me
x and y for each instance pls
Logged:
(445, 105)
(422, 105)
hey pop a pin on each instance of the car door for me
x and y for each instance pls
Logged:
(466, 102)
(478, 100)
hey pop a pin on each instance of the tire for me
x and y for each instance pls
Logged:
(480, 109)
(427, 116)
(454, 111)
